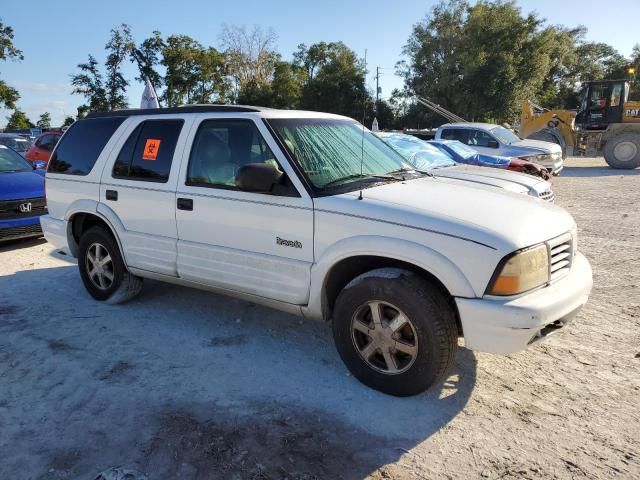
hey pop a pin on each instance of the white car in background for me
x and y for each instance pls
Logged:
(497, 140)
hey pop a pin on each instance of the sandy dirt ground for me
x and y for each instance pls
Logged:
(183, 384)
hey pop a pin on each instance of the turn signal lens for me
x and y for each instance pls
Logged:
(524, 271)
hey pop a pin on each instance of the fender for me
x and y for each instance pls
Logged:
(410, 252)
(101, 211)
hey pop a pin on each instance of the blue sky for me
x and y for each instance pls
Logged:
(55, 37)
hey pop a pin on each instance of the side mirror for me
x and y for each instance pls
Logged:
(39, 164)
(258, 177)
(493, 144)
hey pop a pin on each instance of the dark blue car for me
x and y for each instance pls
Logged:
(22, 199)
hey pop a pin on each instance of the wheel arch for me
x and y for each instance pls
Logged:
(351, 267)
(80, 220)
(351, 257)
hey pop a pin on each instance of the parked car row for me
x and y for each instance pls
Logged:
(39, 150)
(452, 159)
(496, 140)
(401, 248)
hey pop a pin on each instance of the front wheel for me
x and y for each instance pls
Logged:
(395, 331)
(102, 269)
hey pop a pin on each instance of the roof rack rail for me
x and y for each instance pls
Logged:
(180, 109)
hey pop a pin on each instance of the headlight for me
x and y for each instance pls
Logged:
(521, 271)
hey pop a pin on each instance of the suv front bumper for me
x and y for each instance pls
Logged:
(510, 325)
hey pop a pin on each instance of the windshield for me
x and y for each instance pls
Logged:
(461, 149)
(18, 144)
(504, 136)
(417, 152)
(10, 161)
(336, 151)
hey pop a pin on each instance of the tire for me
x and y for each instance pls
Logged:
(623, 151)
(429, 338)
(113, 283)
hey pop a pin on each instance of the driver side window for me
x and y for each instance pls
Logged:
(478, 138)
(221, 148)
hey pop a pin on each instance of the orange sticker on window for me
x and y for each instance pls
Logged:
(151, 149)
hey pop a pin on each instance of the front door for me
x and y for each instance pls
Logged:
(256, 243)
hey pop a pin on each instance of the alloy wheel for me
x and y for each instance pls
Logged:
(384, 337)
(99, 266)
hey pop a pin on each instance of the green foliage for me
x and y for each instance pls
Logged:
(194, 74)
(147, 57)
(119, 48)
(8, 95)
(68, 121)
(89, 83)
(44, 121)
(18, 120)
(482, 60)
(335, 80)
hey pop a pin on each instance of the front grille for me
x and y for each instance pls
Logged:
(11, 208)
(547, 196)
(560, 256)
(20, 232)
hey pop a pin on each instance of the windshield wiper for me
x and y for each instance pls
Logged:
(354, 176)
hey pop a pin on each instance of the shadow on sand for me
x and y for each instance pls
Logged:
(181, 383)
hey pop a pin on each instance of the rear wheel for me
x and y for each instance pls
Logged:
(102, 269)
(623, 151)
(396, 333)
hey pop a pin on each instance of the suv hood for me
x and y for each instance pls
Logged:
(539, 145)
(497, 218)
(494, 177)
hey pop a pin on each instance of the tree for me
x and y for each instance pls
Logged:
(335, 80)
(250, 56)
(68, 121)
(147, 58)
(180, 56)
(89, 83)
(481, 60)
(8, 95)
(119, 46)
(44, 121)
(18, 120)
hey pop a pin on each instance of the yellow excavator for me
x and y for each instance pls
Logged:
(606, 123)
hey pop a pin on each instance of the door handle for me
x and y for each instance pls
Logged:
(112, 195)
(185, 204)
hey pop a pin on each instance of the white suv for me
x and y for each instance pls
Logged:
(312, 214)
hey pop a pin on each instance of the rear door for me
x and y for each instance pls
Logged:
(139, 185)
(255, 243)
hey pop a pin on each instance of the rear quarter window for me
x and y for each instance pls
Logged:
(81, 146)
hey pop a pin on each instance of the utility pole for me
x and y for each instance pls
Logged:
(377, 88)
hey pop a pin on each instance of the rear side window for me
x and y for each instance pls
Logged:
(148, 152)
(460, 134)
(82, 144)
